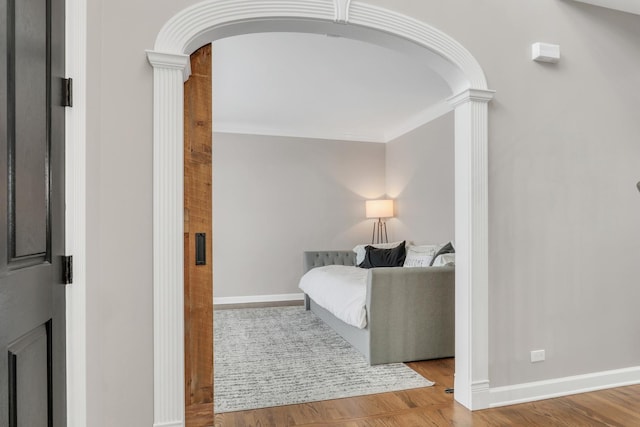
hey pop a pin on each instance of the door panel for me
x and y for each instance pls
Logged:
(32, 305)
(29, 359)
(29, 141)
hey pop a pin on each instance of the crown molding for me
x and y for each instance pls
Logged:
(393, 132)
(305, 133)
(419, 119)
(629, 6)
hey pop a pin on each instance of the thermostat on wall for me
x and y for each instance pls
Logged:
(545, 52)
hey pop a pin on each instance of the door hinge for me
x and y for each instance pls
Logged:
(67, 269)
(67, 92)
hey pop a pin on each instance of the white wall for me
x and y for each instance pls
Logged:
(420, 177)
(564, 213)
(275, 197)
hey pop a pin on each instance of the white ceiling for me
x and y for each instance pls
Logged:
(318, 86)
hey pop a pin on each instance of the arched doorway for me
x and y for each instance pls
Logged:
(211, 20)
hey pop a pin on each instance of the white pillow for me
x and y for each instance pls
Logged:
(361, 251)
(419, 256)
(444, 259)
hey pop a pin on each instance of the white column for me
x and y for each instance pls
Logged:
(169, 72)
(471, 241)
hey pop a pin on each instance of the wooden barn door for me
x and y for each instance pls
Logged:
(198, 269)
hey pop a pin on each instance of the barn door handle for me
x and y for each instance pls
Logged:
(201, 252)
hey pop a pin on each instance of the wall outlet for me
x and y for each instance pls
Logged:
(537, 356)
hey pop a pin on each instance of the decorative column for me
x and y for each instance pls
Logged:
(471, 241)
(169, 74)
(209, 20)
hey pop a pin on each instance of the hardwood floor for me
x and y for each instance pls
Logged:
(433, 407)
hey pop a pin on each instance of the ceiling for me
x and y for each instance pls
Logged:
(319, 86)
(630, 6)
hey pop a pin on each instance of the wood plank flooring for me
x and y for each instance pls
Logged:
(433, 407)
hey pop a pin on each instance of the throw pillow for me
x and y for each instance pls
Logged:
(445, 259)
(419, 256)
(360, 249)
(377, 257)
(446, 249)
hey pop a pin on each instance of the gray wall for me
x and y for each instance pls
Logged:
(420, 177)
(563, 163)
(564, 230)
(275, 197)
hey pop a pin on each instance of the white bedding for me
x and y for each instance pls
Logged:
(339, 289)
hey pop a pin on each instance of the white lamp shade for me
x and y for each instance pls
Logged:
(379, 208)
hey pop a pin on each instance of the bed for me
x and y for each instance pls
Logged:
(409, 310)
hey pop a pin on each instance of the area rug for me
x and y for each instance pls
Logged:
(267, 357)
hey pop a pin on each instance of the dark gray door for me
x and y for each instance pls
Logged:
(32, 323)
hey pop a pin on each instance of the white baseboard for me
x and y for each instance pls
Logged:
(539, 390)
(258, 298)
(480, 397)
(170, 424)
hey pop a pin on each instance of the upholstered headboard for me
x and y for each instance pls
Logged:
(313, 259)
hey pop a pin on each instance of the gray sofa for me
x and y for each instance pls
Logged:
(410, 311)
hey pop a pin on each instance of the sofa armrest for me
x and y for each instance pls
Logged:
(411, 310)
(313, 259)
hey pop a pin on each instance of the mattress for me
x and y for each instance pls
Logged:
(339, 289)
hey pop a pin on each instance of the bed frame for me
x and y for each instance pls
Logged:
(410, 311)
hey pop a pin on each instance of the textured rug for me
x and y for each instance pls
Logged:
(267, 357)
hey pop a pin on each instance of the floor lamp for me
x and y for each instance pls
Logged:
(379, 209)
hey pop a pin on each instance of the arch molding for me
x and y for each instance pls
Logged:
(210, 20)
